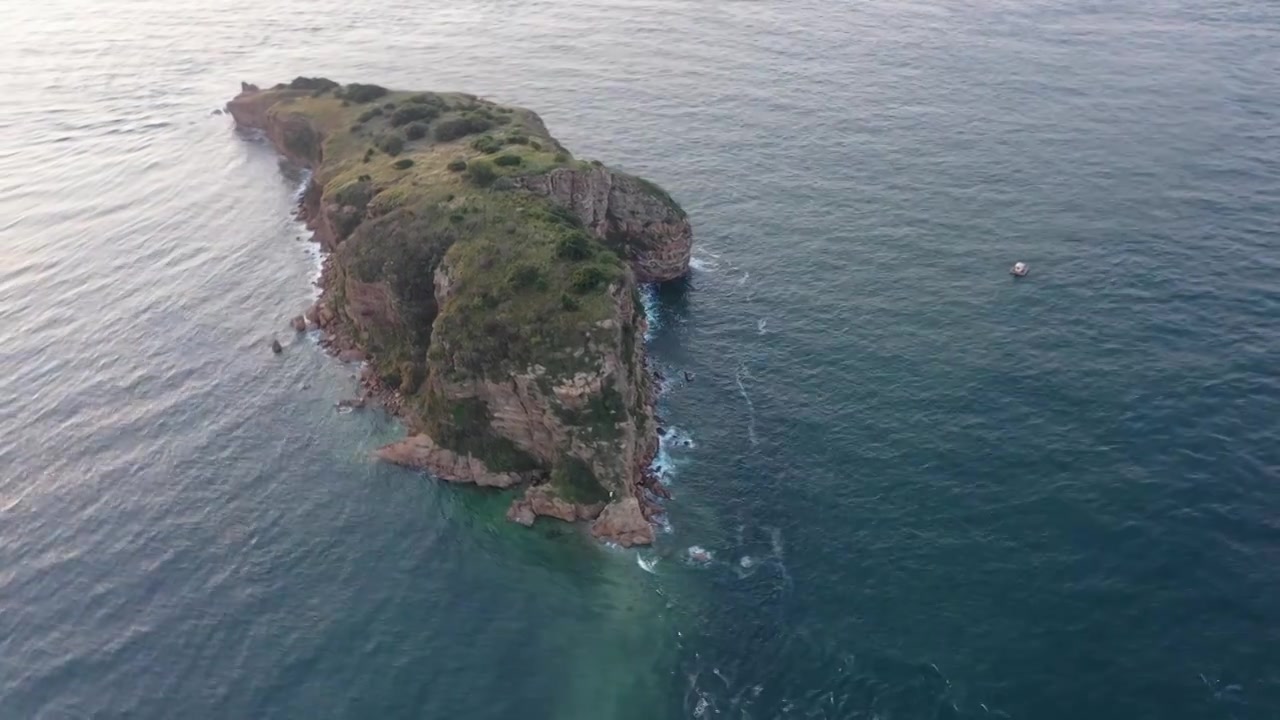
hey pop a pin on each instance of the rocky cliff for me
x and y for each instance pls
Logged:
(490, 279)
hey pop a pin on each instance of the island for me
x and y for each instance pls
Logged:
(490, 282)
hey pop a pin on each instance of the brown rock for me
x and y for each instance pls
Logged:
(313, 315)
(520, 513)
(351, 355)
(541, 500)
(422, 453)
(276, 347)
(624, 523)
(299, 323)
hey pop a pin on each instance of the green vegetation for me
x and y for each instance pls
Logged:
(413, 112)
(481, 173)
(456, 165)
(573, 480)
(402, 164)
(416, 130)
(361, 93)
(390, 144)
(456, 127)
(507, 160)
(465, 426)
(487, 144)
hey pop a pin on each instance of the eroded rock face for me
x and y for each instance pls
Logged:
(540, 501)
(421, 453)
(626, 212)
(623, 522)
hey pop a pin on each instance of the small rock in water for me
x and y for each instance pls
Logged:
(697, 553)
(216, 111)
(661, 431)
(299, 323)
(688, 376)
(276, 347)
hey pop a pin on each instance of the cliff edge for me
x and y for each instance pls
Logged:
(490, 280)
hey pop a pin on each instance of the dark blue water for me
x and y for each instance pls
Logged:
(929, 490)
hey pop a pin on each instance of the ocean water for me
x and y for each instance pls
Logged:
(919, 488)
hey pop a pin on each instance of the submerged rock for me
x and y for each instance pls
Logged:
(276, 347)
(299, 323)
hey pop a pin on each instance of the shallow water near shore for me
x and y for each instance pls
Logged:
(919, 487)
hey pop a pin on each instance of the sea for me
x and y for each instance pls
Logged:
(907, 485)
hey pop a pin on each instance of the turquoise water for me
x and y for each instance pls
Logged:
(929, 490)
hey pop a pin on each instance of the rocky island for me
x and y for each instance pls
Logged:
(490, 281)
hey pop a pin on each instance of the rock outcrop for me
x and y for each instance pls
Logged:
(632, 215)
(489, 281)
(421, 452)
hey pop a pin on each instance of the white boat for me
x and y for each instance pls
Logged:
(1019, 269)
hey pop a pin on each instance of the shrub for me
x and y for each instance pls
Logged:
(487, 144)
(503, 184)
(575, 246)
(317, 84)
(425, 99)
(525, 276)
(568, 303)
(457, 165)
(562, 157)
(507, 160)
(368, 154)
(454, 128)
(481, 173)
(361, 93)
(518, 139)
(412, 113)
(416, 130)
(588, 278)
(391, 144)
(402, 164)
(535, 144)
(356, 194)
(370, 114)
(389, 106)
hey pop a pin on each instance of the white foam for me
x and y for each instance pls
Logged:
(760, 325)
(751, 408)
(702, 264)
(699, 554)
(646, 565)
(649, 301)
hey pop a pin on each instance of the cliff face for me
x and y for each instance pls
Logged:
(632, 215)
(491, 280)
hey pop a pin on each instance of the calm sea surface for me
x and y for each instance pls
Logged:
(930, 491)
